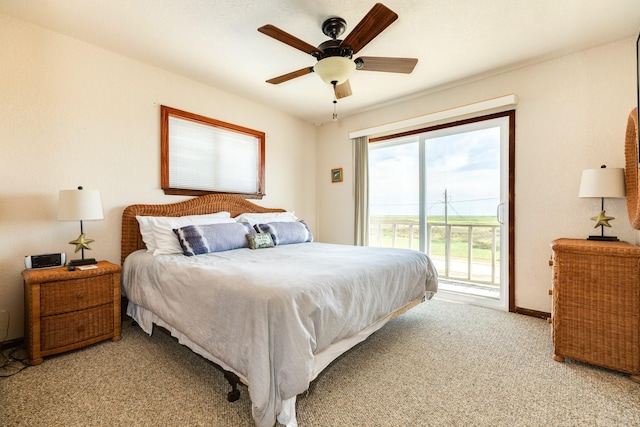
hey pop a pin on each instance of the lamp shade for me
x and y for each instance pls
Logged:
(334, 69)
(83, 205)
(602, 182)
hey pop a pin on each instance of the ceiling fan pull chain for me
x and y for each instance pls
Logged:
(335, 104)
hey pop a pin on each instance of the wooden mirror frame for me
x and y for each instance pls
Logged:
(631, 169)
(631, 148)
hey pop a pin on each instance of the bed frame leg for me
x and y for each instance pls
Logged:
(233, 380)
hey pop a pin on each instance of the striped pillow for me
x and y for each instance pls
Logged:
(204, 239)
(286, 233)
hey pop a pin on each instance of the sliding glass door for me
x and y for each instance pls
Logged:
(445, 191)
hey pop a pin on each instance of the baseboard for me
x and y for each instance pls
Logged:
(16, 342)
(532, 313)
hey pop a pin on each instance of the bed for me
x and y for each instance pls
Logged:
(273, 318)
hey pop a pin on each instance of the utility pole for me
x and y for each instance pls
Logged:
(447, 234)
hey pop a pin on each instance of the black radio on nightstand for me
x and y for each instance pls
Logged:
(45, 260)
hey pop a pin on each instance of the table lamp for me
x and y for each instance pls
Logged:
(602, 182)
(80, 205)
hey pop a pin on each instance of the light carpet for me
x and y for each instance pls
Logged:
(440, 364)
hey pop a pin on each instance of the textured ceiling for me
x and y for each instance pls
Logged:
(217, 42)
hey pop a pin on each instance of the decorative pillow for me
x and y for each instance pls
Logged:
(263, 218)
(286, 233)
(204, 239)
(260, 240)
(157, 231)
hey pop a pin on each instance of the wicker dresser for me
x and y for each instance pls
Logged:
(66, 310)
(596, 303)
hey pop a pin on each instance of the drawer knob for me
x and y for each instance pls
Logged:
(79, 295)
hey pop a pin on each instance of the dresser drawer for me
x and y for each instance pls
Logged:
(71, 295)
(70, 328)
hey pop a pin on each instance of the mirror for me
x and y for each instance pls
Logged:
(631, 169)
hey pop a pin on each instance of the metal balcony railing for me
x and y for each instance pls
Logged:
(468, 252)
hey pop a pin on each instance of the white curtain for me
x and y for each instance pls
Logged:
(361, 190)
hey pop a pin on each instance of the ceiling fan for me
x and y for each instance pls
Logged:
(335, 63)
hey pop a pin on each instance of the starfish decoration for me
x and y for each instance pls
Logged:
(602, 219)
(82, 242)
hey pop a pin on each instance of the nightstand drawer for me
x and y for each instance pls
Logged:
(71, 295)
(65, 329)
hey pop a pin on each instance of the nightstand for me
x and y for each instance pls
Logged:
(66, 310)
(596, 303)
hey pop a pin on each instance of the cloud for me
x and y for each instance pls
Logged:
(466, 165)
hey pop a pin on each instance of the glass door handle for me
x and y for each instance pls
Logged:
(499, 210)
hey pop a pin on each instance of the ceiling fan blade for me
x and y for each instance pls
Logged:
(289, 39)
(374, 22)
(343, 90)
(389, 65)
(289, 76)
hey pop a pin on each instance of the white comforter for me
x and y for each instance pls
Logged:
(266, 313)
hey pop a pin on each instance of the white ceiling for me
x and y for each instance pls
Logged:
(217, 42)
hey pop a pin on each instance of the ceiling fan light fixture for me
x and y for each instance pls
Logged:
(335, 69)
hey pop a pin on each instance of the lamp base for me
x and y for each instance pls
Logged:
(604, 238)
(84, 261)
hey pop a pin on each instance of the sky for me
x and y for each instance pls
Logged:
(466, 165)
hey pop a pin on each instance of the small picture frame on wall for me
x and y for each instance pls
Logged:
(336, 175)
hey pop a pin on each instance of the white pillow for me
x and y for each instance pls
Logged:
(148, 223)
(263, 218)
(145, 230)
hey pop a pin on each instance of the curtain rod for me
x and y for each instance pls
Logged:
(476, 107)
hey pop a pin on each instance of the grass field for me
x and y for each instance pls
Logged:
(381, 234)
(465, 220)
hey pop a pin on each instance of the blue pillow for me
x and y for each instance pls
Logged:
(204, 239)
(286, 233)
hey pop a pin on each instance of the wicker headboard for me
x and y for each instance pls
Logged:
(210, 203)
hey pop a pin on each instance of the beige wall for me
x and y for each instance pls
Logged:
(572, 115)
(73, 114)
